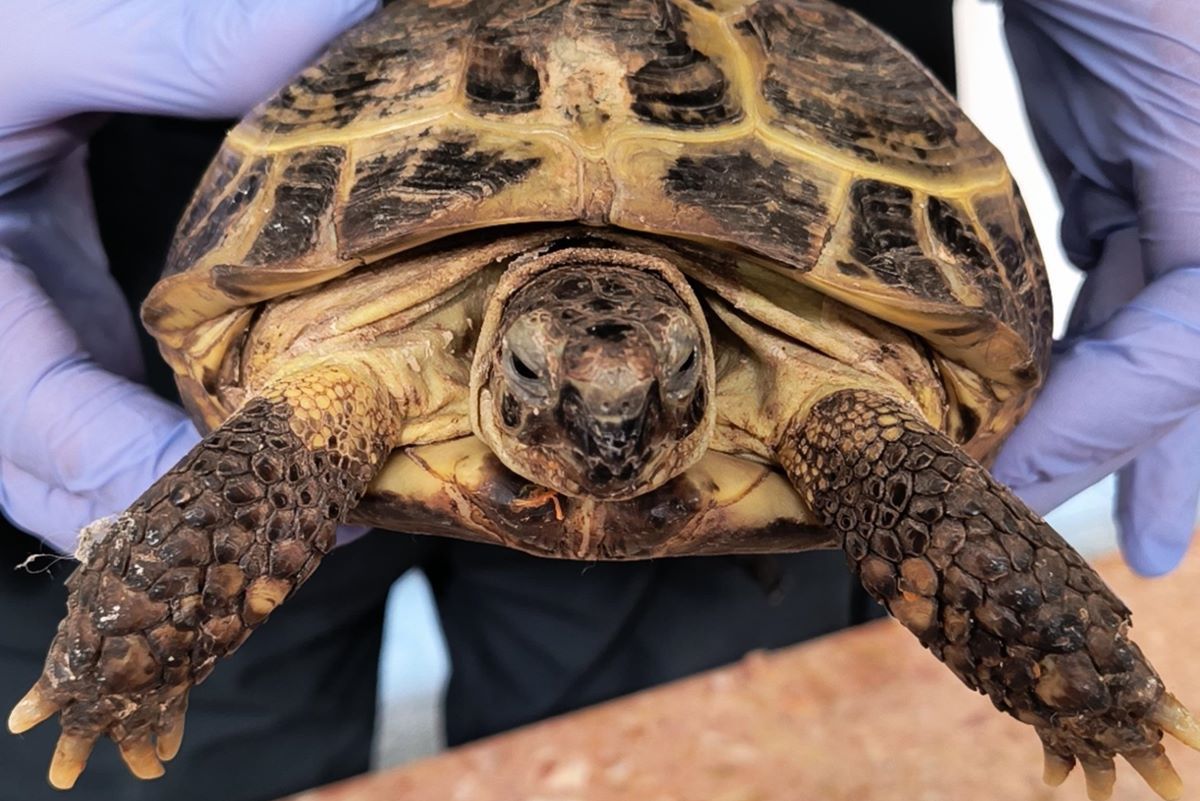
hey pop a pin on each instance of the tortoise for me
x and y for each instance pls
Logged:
(606, 280)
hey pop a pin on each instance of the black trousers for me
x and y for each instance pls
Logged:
(528, 638)
(295, 706)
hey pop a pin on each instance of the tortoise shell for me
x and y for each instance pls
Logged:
(791, 134)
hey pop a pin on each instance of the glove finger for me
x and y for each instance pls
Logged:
(88, 431)
(240, 52)
(49, 227)
(1110, 395)
(1157, 498)
(52, 514)
(97, 468)
(1112, 283)
(175, 57)
(62, 417)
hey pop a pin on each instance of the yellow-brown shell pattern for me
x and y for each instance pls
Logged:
(789, 130)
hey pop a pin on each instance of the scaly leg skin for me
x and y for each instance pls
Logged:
(988, 587)
(202, 558)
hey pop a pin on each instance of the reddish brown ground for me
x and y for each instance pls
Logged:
(864, 715)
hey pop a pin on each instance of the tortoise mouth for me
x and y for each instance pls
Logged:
(610, 454)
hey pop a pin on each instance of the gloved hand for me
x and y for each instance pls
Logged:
(80, 438)
(1113, 92)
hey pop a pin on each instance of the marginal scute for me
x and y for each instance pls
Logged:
(227, 191)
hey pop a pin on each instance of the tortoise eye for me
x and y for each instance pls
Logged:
(688, 363)
(522, 369)
(683, 380)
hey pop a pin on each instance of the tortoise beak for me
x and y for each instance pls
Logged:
(611, 434)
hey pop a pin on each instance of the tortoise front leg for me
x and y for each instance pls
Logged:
(182, 577)
(987, 586)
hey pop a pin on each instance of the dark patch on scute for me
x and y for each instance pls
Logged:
(683, 88)
(501, 79)
(504, 498)
(303, 196)
(1036, 291)
(392, 512)
(884, 240)
(782, 535)
(395, 193)
(385, 66)
(1009, 251)
(200, 233)
(335, 91)
(222, 170)
(240, 284)
(955, 331)
(767, 205)
(956, 233)
(832, 76)
(1020, 266)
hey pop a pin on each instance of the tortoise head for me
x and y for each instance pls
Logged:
(594, 373)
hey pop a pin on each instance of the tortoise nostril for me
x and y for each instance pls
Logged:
(510, 410)
(600, 474)
(610, 331)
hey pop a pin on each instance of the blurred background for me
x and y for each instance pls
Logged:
(414, 668)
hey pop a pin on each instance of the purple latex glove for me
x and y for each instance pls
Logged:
(1113, 93)
(80, 438)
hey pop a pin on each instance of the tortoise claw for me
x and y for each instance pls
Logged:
(1057, 768)
(170, 730)
(1156, 768)
(1175, 719)
(31, 710)
(70, 758)
(139, 754)
(1100, 774)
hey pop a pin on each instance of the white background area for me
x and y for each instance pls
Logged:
(413, 669)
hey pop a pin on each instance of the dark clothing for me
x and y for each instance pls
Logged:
(295, 707)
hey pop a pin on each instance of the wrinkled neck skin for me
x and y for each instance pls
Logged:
(594, 373)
